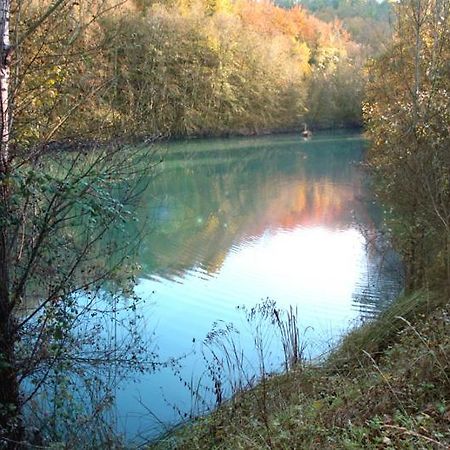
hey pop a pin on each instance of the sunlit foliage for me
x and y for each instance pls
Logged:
(196, 67)
(408, 115)
(368, 21)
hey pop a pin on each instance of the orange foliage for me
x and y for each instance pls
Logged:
(266, 18)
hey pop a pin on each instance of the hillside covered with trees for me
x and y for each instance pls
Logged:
(369, 22)
(181, 69)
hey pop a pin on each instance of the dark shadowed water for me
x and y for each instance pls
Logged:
(236, 221)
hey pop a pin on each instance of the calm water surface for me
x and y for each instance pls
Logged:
(232, 222)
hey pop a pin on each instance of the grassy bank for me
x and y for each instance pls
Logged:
(387, 385)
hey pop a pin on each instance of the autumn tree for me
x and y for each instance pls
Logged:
(407, 113)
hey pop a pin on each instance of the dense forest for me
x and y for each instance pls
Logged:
(184, 68)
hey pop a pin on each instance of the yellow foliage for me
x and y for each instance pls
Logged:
(178, 67)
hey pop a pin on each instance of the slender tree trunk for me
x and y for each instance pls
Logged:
(11, 431)
(447, 262)
(5, 56)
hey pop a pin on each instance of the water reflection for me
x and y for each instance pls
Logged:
(236, 221)
(206, 203)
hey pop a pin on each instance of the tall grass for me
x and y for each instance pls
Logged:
(293, 346)
(234, 364)
(377, 335)
(386, 386)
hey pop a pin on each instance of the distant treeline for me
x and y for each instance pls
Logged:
(206, 67)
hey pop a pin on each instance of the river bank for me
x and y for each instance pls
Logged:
(235, 221)
(87, 145)
(386, 385)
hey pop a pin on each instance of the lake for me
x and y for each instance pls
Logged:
(232, 222)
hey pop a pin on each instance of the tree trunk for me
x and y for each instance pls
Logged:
(5, 56)
(11, 431)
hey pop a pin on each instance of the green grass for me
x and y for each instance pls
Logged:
(386, 386)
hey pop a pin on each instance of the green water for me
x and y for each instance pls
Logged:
(231, 222)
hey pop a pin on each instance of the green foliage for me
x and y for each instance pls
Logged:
(75, 325)
(349, 8)
(335, 98)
